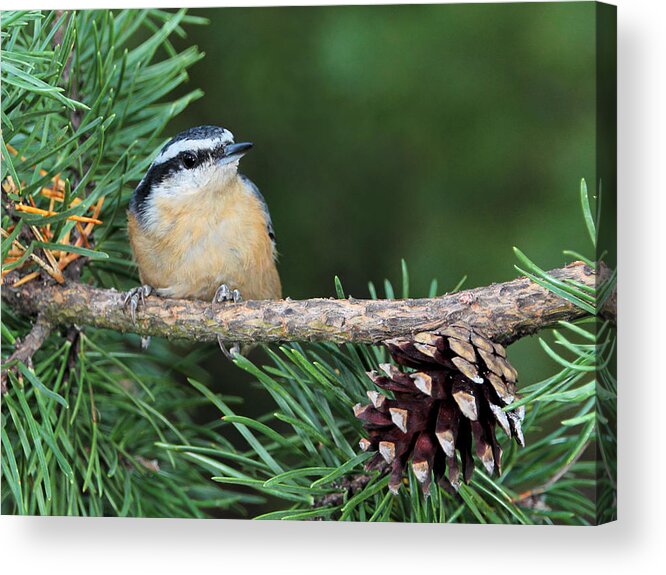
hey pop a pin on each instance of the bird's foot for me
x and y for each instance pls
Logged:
(230, 353)
(224, 294)
(135, 298)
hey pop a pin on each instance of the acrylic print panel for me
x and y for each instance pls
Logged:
(200, 209)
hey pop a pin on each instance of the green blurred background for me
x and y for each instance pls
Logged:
(441, 134)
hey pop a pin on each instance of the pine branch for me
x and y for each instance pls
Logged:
(532, 495)
(25, 349)
(349, 486)
(505, 312)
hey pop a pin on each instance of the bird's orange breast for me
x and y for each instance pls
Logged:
(198, 241)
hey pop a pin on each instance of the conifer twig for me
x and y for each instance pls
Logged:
(534, 492)
(349, 486)
(504, 312)
(26, 348)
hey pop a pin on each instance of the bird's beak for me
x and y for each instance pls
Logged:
(237, 151)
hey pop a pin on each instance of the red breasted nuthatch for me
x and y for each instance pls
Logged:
(198, 228)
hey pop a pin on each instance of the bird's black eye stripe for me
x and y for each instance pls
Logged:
(191, 160)
(188, 159)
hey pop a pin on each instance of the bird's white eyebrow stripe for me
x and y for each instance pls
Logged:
(204, 144)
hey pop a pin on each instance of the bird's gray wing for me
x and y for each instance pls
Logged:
(255, 190)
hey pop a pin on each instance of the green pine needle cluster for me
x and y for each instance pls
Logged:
(92, 427)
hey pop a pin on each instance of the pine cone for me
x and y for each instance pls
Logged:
(455, 389)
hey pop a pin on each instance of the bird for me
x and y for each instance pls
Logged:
(198, 228)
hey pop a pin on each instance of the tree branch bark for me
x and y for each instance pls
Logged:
(505, 312)
(25, 349)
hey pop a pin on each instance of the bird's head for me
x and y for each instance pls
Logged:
(197, 160)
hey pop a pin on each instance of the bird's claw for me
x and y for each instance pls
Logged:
(136, 297)
(230, 353)
(224, 294)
